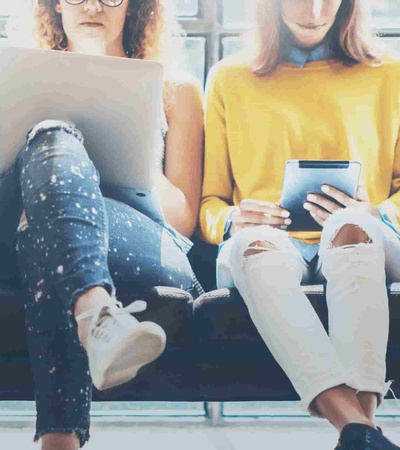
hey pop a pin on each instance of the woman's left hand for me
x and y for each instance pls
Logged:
(321, 208)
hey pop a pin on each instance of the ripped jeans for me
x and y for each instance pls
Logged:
(76, 239)
(270, 279)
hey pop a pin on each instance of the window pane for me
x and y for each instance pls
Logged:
(12, 6)
(230, 45)
(386, 13)
(187, 7)
(237, 13)
(393, 44)
(194, 57)
(5, 9)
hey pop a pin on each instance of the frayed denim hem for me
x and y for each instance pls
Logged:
(83, 434)
(110, 288)
(104, 283)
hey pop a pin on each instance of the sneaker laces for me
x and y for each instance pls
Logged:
(137, 306)
(118, 317)
(392, 392)
(114, 316)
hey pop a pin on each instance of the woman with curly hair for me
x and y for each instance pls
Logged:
(76, 241)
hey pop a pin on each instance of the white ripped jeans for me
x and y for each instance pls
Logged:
(270, 284)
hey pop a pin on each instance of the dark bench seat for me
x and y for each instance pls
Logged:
(214, 353)
(235, 363)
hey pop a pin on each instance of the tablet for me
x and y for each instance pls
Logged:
(303, 177)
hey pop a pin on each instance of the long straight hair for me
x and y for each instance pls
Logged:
(353, 33)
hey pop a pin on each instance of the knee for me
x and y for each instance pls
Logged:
(267, 254)
(255, 241)
(351, 228)
(51, 135)
(46, 126)
(257, 247)
(350, 235)
(51, 138)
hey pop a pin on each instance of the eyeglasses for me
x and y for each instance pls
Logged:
(109, 3)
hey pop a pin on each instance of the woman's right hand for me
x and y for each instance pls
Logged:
(253, 213)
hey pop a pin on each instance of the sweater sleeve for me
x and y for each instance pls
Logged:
(216, 204)
(391, 206)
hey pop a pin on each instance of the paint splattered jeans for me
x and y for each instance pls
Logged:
(76, 239)
(356, 276)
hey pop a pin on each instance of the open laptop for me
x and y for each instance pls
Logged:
(115, 102)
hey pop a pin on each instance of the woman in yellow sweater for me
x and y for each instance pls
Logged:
(315, 89)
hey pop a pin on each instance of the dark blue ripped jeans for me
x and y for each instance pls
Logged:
(76, 239)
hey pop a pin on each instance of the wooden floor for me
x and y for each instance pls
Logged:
(253, 434)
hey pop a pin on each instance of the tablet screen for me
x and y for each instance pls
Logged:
(303, 177)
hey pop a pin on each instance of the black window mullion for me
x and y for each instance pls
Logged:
(388, 32)
(211, 13)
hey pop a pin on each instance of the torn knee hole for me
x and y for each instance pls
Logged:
(257, 247)
(350, 235)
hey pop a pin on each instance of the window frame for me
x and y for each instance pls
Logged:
(204, 25)
(209, 23)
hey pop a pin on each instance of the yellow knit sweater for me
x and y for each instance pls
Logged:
(323, 111)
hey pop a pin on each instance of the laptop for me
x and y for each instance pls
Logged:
(115, 102)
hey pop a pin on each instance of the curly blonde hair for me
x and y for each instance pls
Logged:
(151, 30)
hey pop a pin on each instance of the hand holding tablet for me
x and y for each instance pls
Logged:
(253, 213)
(312, 190)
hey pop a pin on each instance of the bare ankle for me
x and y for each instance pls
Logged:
(91, 299)
(365, 422)
(60, 441)
(340, 406)
(369, 403)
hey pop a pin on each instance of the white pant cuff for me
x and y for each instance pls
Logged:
(307, 400)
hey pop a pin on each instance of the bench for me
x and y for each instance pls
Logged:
(214, 353)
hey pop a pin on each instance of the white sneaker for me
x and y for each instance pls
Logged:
(118, 345)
